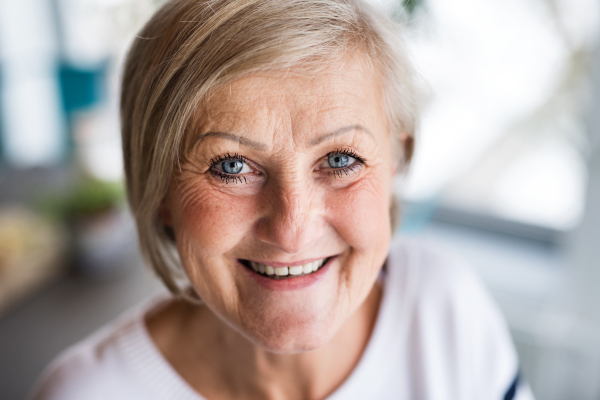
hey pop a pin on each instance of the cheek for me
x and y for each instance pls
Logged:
(209, 219)
(360, 213)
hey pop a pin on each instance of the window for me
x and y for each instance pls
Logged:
(503, 135)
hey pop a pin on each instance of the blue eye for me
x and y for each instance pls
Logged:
(339, 160)
(342, 163)
(232, 167)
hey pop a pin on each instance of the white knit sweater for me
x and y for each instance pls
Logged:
(438, 336)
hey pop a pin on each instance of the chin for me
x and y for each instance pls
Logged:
(289, 335)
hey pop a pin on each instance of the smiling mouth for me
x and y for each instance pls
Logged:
(285, 272)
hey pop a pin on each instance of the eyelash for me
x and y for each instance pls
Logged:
(341, 172)
(226, 178)
(335, 173)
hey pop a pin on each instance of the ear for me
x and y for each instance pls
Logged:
(164, 213)
(165, 217)
(406, 153)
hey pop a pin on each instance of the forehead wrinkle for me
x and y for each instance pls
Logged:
(356, 138)
(235, 138)
(289, 115)
(355, 128)
(237, 120)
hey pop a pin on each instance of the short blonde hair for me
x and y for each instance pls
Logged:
(190, 47)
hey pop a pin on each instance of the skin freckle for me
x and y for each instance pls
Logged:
(290, 204)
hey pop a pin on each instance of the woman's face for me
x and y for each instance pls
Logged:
(289, 171)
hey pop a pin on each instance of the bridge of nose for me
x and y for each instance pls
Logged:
(292, 218)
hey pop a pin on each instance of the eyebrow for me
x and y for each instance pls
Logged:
(341, 131)
(230, 136)
(262, 147)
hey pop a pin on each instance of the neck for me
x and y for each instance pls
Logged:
(220, 363)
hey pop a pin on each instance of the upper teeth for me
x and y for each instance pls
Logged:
(285, 271)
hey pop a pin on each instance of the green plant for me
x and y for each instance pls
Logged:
(87, 198)
(410, 5)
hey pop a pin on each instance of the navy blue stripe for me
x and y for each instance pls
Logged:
(512, 390)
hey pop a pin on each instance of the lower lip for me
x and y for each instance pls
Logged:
(296, 283)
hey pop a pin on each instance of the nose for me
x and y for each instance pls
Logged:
(292, 221)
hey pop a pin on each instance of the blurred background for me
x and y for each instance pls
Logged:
(506, 173)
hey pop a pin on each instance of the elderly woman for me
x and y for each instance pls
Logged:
(261, 139)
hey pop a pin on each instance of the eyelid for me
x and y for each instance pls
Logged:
(347, 152)
(344, 151)
(353, 168)
(226, 157)
(226, 177)
(359, 161)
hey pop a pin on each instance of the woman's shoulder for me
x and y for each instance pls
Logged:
(458, 336)
(434, 273)
(444, 289)
(102, 365)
